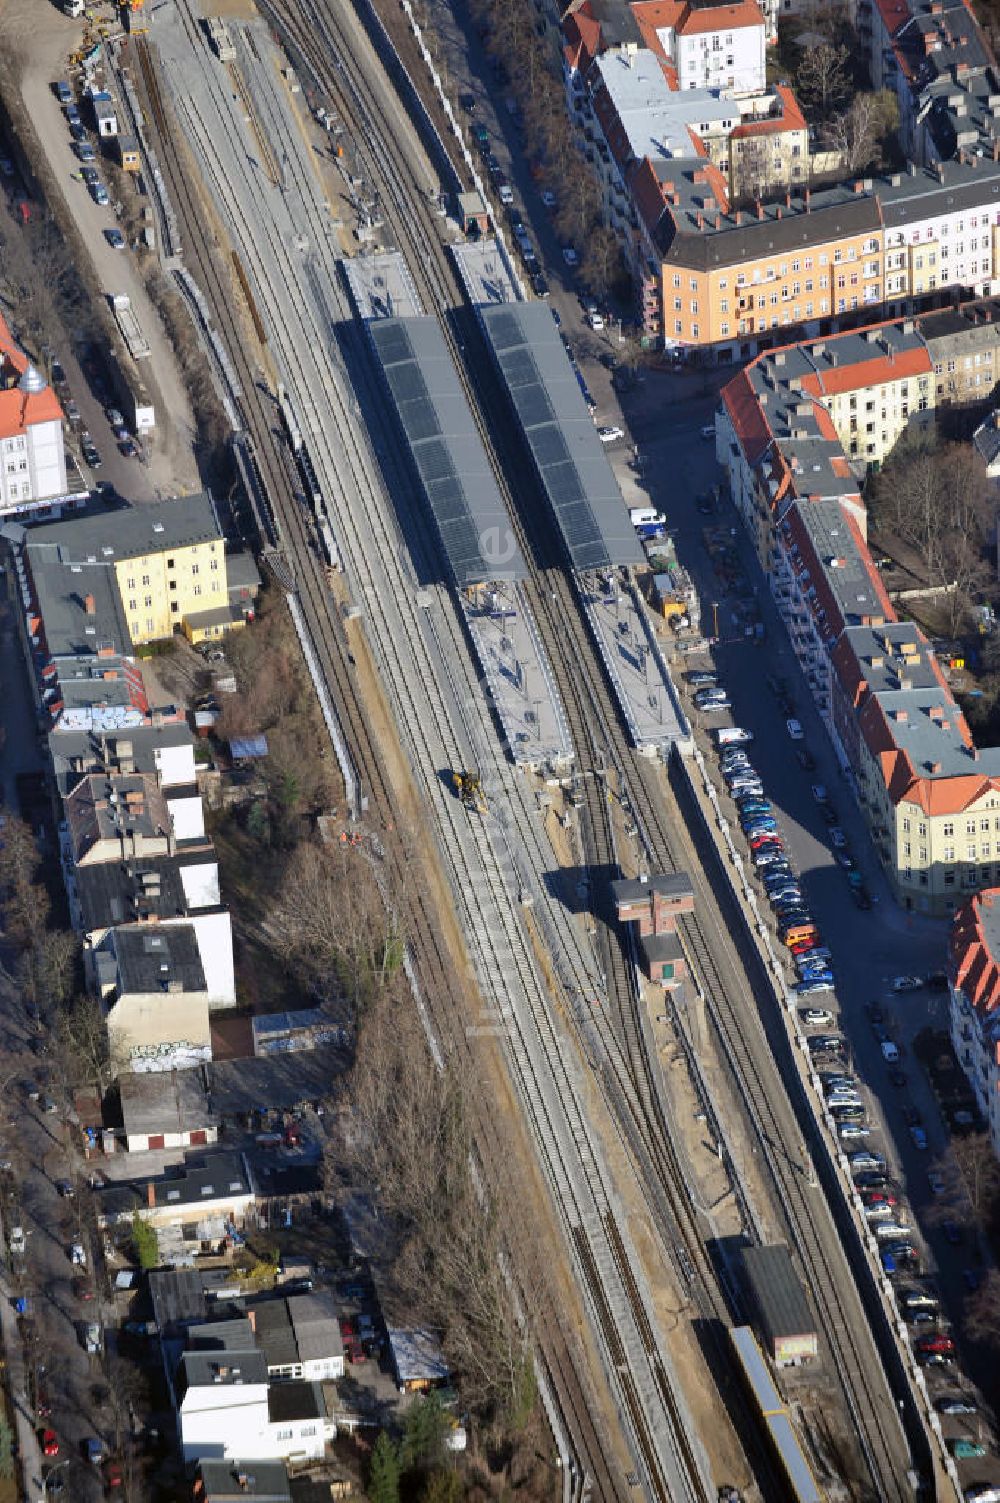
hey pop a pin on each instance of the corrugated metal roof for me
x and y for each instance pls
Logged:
(581, 488)
(777, 1291)
(447, 450)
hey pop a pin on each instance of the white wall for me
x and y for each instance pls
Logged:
(224, 1420)
(736, 63)
(47, 459)
(201, 884)
(187, 815)
(175, 765)
(214, 934)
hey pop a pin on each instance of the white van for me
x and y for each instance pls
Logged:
(646, 516)
(890, 1052)
(731, 735)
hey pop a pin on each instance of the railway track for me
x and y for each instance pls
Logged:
(437, 977)
(867, 1401)
(295, 530)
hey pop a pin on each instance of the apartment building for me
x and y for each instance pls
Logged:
(32, 453)
(974, 977)
(933, 55)
(964, 344)
(714, 271)
(720, 47)
(794, 431)
(164, 566)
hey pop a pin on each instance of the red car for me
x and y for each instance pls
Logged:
(766, 839)
(113, 1478)
(878, 1198)
(936, 1343)
(50, 1444)
(347, 1330)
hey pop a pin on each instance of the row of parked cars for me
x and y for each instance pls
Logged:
(885, 1211)
(796, 926)
(882, 1200)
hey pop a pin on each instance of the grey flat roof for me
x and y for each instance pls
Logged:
(778, 1294)
(280, 1080)
(153, 956)
(236, 1481)
(574, 470)
(446, 449)
(316, 1326)
(298, 1400)
(62, 586)
(226, 1369)
(417, 1356)
(77, 752)
(164, 1101)
(117, 892)
(665, 884)
(101, 535)
(178, 1296)
(787, 1442)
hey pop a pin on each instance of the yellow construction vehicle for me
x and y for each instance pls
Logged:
(469, 788)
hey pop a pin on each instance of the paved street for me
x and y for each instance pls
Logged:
(40, 1146)
(869, 948)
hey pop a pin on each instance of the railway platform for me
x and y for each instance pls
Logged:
(634, 663)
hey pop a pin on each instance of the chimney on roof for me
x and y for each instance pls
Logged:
(902, 717)
(90, 605)
(934, 767)
(760, 209)
(974, 753)
(963, 41)
(939, 169)
(807, 196)
(151, 1195)
(778, 211)
(788, 198)
(739, 217)
(700, 220)
(859, 185)
(996, 150)
(718, 221)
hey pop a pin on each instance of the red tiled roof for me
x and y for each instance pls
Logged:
(687, 20)
(833, 380)
(747, 416)
(20, 409)
(791, 118)
(977, 969)
(647, 194)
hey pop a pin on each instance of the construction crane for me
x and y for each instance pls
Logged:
(469, 788)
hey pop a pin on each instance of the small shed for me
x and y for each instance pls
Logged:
(472, 213)
(785, 1324)
(105, 115)
(127, 150)
(417, 1360)
(663, 958)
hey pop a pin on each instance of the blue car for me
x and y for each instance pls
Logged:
(888, 1262)
(758, 824)
(812, 988)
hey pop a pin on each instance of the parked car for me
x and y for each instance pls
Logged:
(794, 728)
(955, 1403)
(907, 983)
(610, 434)
(837, 838)
(815, 1017)
(49, 1442)
(919, 1137)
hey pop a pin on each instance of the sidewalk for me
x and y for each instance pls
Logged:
(28, 1452)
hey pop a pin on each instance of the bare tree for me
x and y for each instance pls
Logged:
(86, 1051)
(935, 498)
(822, 78)
(407, 1135)
(982, 1308)
(331, 924)
(859, 132)
(24, 901)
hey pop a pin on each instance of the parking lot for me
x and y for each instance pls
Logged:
(166, 463)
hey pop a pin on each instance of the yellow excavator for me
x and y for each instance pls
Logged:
(469, 788)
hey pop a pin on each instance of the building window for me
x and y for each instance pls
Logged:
(133, 605)
(214, 564)
(970, 827)
(195, 568)
(150, 623)
(949, 853)
(145, 579)
(196, 589)
(147, 600)
(130, 583)
(922, 830)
